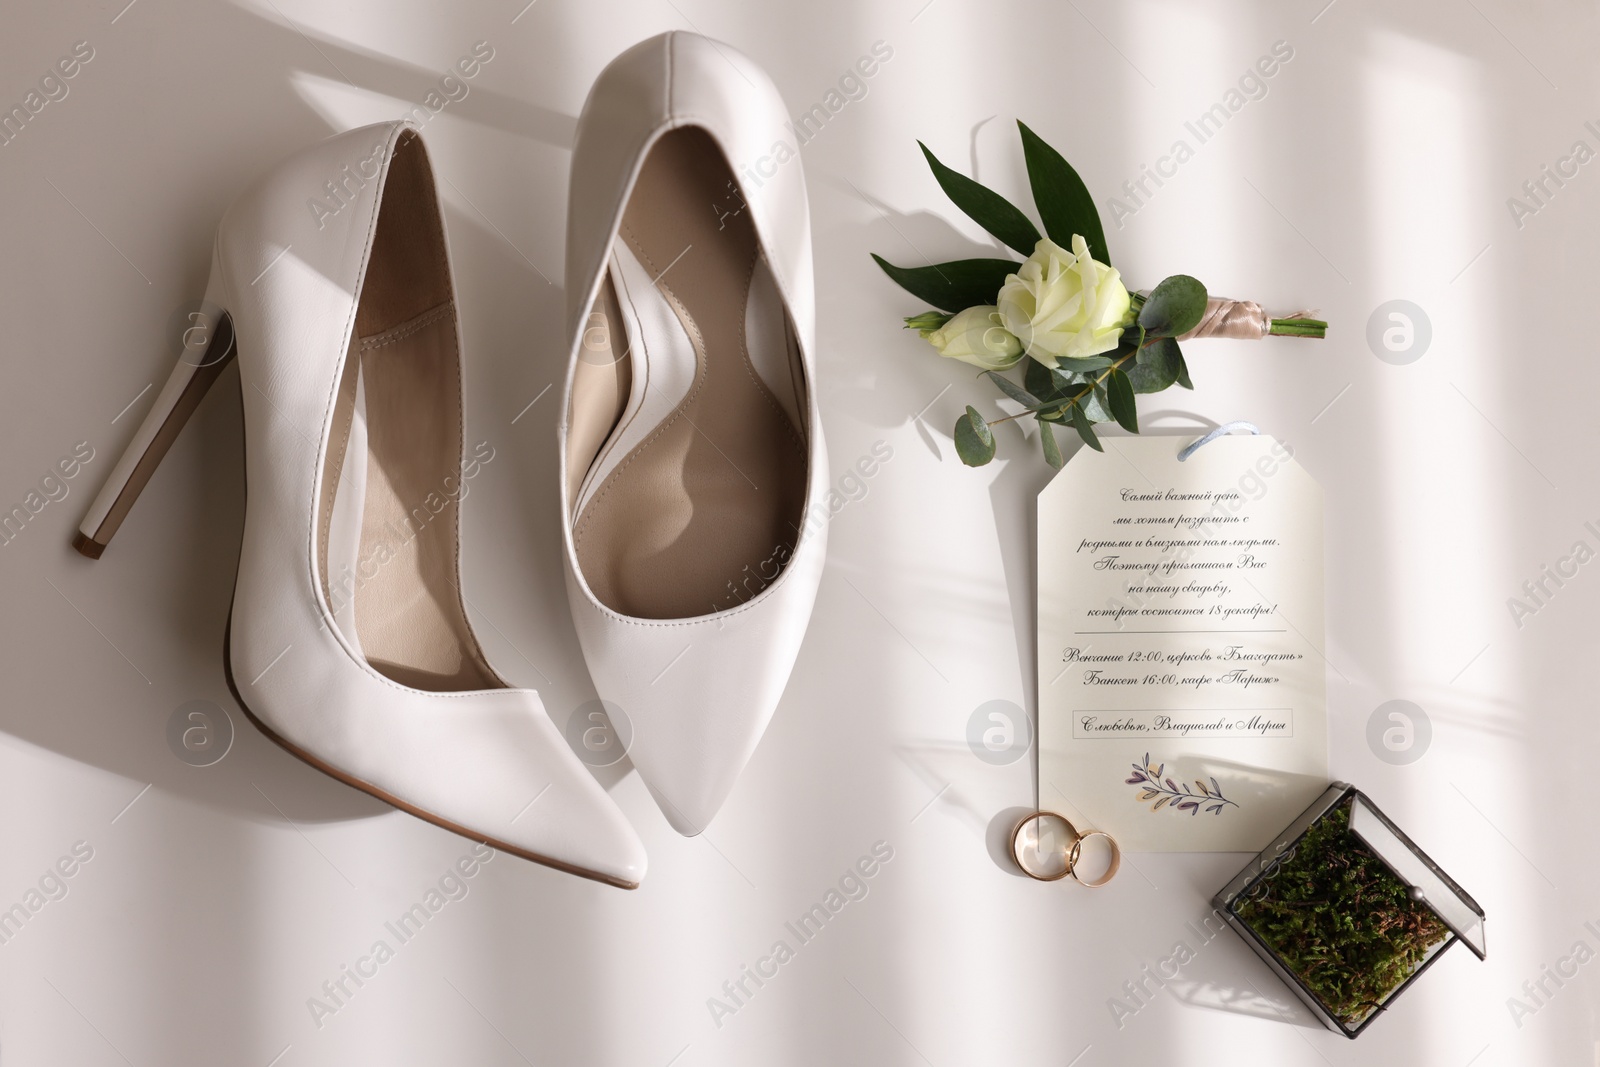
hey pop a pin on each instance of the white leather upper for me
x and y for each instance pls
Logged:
(698, 692)
(473, 758)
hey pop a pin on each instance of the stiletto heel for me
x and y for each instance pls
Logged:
(208, 348)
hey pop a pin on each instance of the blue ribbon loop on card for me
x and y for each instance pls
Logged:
(1221, 431)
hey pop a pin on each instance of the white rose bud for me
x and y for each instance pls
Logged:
(1064, 303)
(976, 336)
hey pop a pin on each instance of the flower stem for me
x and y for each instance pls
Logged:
(1066, 403)
(1298, 327)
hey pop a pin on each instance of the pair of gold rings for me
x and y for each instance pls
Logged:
(1047, 846)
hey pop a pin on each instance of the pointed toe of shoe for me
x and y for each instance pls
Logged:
(489, 765)
(571, 815)
(691, 747)
(688, 823)
(698, 693)
(575, 824)
(510, 779)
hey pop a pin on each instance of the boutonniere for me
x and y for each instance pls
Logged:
(1085, 343)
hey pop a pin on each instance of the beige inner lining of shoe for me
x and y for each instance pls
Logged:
(408, 608)
(705, 511)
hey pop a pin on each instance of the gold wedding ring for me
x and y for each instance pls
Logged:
(1077, 853)
(1041, 843)
(1047, 847)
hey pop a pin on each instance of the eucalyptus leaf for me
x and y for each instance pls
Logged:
(1083, 364)
(953, 286)
(1045, 383)
(1120, 392)
(974, 439)
(1174, 307)
(1063, 201)
(1013, 390)
(1030, 404)
(1095, 405)
(1093, 409)
(1038, 380)
(1080, 422)
(1059, 407)
(1156, 366)
(1046, 406)
(984, 206)
(1048, 442)
(1183, 368)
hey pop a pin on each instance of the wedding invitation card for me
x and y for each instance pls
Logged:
(1182, 697)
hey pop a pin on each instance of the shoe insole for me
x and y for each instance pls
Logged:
(399, 403)
(703, 513)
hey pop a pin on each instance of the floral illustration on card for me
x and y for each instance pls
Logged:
(1177, 796)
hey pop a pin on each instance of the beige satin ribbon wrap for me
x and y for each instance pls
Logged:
(1243, 319)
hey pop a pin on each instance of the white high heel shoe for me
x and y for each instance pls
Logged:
(691, 446)
(348, 642)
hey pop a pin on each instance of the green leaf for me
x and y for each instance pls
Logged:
(1052, 448)
(1183, 368)
(1174, 307)
(1013, 390)
(1120, 392)
(985, 206)
(1156, 366)
(1043, 406)
(1082, 364)
(1058, 392)
(974, 439)
(953, 286)
(1093, 409)
(1080, 422)
(1043, 382)
(1062, 199)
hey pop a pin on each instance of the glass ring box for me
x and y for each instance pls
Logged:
(1347, 911)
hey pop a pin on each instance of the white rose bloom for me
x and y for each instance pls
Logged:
(976, 336)
(1064, 303)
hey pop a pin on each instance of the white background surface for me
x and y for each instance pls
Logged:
(1377, 167)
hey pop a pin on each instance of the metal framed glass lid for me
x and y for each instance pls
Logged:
(1428, 883)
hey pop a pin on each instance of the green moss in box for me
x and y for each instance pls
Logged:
(1340, 920)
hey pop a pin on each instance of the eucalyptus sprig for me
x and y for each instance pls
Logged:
(1063, 313)
(1098, 388)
